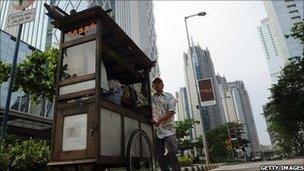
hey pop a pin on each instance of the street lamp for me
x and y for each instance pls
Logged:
(196, 86)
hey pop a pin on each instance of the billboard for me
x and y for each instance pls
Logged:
(206, 92)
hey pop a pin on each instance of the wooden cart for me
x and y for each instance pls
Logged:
(90, 132)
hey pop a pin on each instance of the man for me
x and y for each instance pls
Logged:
(163, 107)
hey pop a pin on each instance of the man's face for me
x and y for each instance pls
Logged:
(158, 86)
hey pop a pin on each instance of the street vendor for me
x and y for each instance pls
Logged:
(163, 107)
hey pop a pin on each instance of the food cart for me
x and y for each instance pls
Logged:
(103, 116)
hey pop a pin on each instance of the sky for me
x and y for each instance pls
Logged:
(229, 31)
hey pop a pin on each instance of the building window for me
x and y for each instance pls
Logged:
(296, 17)
(293, 11)
(293, 5)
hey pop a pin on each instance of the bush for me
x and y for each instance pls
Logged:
(185, 161)
(23, 154)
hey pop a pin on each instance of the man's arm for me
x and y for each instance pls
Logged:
(168, 115)
(165, 117)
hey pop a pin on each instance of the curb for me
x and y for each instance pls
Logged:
(200, 167)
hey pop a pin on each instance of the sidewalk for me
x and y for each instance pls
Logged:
(200, 167)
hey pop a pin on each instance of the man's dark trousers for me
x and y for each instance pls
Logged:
(170, 159)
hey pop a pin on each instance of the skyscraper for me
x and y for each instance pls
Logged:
(34, 33)
(182, 107)
(283, 15)
(272, 51)
(136, 18)
(237, 108)
(212, 116)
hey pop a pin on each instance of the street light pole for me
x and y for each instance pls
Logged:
(196, 85)
(11, 84)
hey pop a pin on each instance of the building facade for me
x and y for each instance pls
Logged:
(237, 108)
(35, 33)
(283, 15)
(136, 18)
(20, 101)
(26, 117)
(182, 107)
(272, 51)
(211, 116)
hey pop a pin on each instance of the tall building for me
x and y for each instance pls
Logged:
(211, 116)
(34, 33)
(182, 107)
(237, 108)
(283, 15)
(136, 18)
(272, 51)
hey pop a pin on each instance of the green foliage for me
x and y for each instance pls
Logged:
(218, 139)
(23, 155)
(285, 111)
(185, 161)
(36, 75)
(183, 131)
(4, 71)
(297, 32)
(183, 128)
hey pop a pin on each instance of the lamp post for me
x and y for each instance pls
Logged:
(196, 86)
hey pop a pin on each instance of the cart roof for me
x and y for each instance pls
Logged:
(131, 59)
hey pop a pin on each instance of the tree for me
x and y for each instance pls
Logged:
(36, 75)
(222, 145)
(297, 32)
(285, 109)
(183, 132)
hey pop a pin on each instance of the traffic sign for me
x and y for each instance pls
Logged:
(22, 4)
(21, 17)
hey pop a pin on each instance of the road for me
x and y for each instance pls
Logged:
(256, 165)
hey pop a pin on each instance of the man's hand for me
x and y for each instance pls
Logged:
(156, 122)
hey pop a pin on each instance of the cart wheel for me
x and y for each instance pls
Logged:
(139, 152)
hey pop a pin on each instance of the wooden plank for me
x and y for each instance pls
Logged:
(92, 132)
(77, 79)
(54, 146)
(83, 93)
(97, 116)
(112, 160)
(74, 103)
(123, 143)
(79, 41)
(71, 162)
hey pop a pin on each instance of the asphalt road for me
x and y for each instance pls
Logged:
(252, 166)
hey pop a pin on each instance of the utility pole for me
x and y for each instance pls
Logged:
(196, 86)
